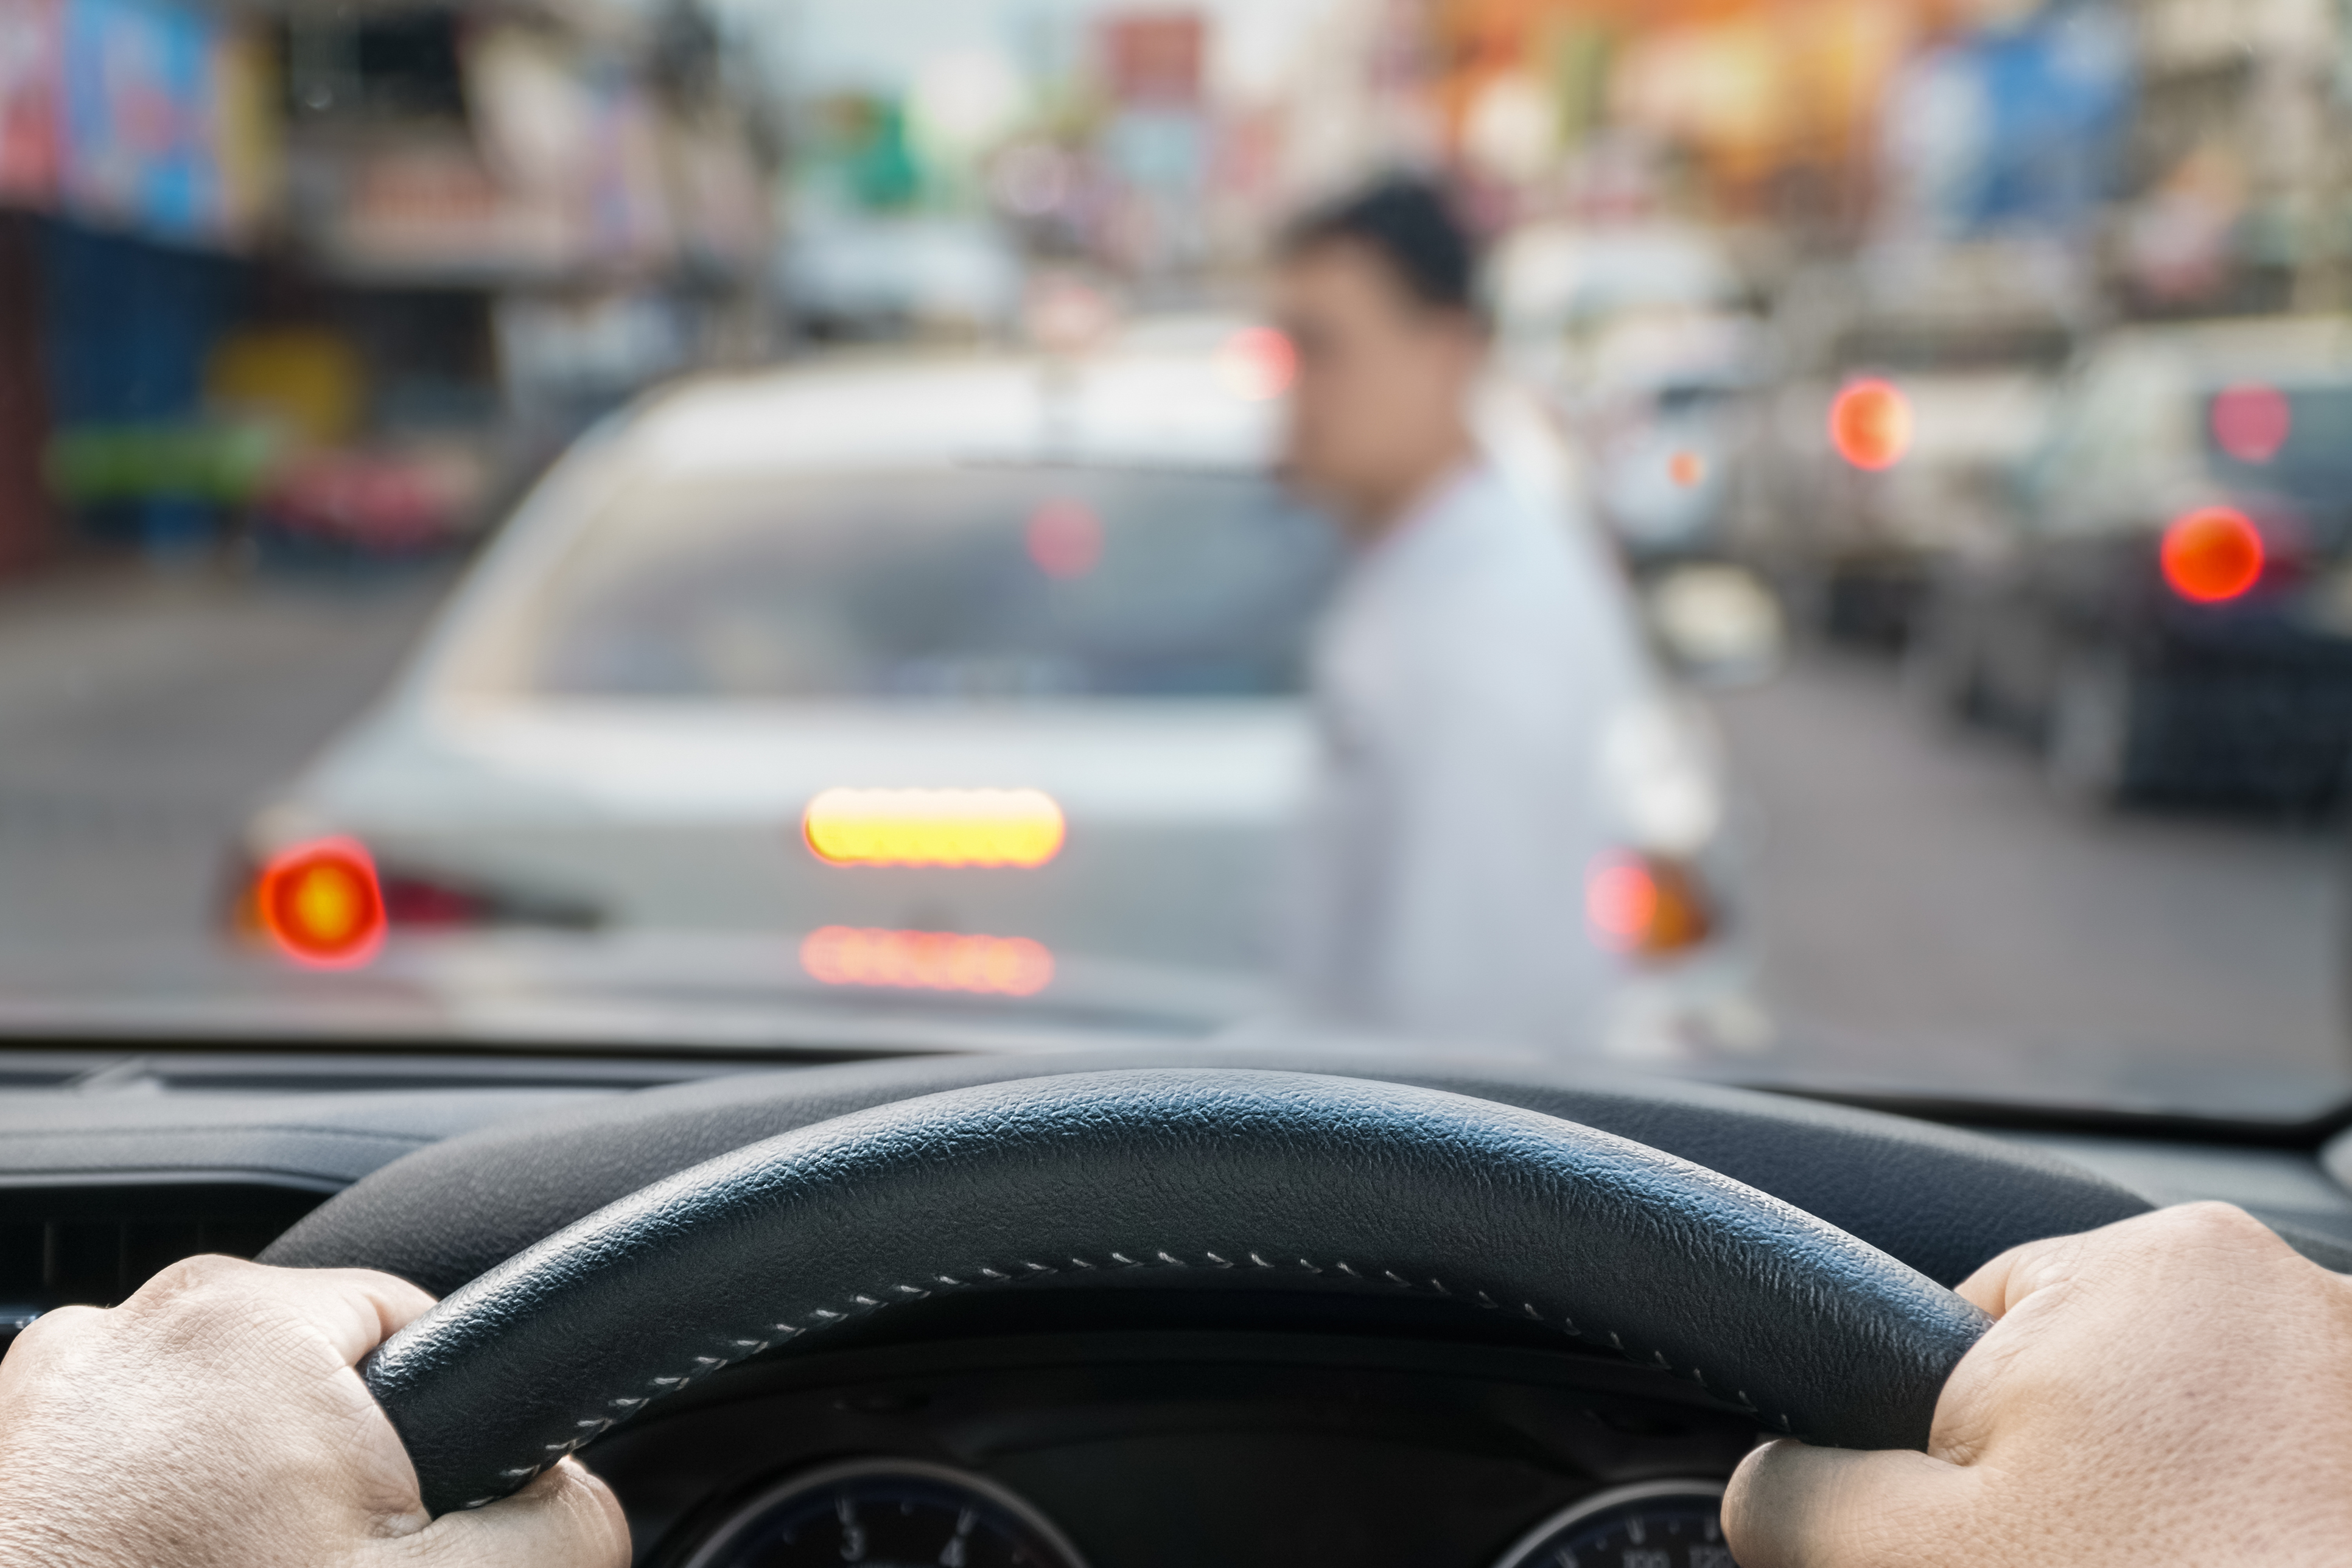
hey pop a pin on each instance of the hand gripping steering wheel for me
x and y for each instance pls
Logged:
(1239, 1178)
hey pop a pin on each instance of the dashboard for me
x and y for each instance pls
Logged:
(1170, 1439)
(1146, 1430)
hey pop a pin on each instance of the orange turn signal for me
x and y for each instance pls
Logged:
(321, 903)
(927, 961)
(1020, 827)
(1645, 907)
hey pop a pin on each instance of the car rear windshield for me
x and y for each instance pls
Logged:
(978, 582)
(2293, 443)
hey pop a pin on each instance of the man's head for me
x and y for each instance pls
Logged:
(1376, 295)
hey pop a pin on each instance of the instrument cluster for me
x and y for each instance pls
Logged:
(886, 1513)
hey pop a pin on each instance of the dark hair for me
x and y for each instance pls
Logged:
(1409, 223)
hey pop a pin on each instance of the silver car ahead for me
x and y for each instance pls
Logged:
(961, 681)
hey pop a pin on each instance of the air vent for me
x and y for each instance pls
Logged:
(61, 1246)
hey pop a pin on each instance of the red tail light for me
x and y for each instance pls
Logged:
(320, 904)
(1645, 906)
(1870, 425)
(927, 961)
(2214, 556)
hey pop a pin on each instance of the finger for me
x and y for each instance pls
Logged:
(1792, 1504)
(565, 1519)
(353, 1309)
(2002, 1284)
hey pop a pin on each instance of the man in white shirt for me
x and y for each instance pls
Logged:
(1464, 676)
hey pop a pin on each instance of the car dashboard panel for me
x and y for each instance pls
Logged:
(1108, 1429)
(1152, 1448)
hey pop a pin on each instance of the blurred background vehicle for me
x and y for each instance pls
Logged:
(2169, 614)
(1638, 335)
(902, 276)
(979, 676)
(1900, 408)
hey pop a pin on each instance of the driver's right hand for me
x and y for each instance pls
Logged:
(216, 1420)
(2174, 1389)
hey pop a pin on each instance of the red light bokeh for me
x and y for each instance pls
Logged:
(1871, 425)
(1257, 364)
(2212, 555)
(1620, 899)
(321, 905)
(2251, 422)
(927, 961)
(1065, 539)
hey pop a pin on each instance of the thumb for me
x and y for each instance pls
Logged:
(1790, 1505)
(565, 1519)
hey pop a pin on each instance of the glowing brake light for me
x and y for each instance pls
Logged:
(1645, 907)
(319, 903)
(1065, 539)
(2214, 556)
(1020, 827)
(1257, 364)
(927, 961)
(2251, 422)
(1871, 425)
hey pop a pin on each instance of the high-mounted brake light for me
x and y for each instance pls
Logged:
(1871, 425)
(1065, 539)
(927, 961)
(2212, 555)
(320, 904)
(1019, 827)
(2251, 422)
(1645, 906)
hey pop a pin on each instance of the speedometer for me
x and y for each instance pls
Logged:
(886, 1513)
(1657, 1524)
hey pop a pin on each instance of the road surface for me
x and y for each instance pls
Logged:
(1927, 913)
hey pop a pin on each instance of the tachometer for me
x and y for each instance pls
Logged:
(1656, 1524)
(887, 1513)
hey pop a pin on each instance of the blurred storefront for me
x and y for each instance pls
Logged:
(340, 278)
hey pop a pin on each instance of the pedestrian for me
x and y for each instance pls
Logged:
(1464, 673)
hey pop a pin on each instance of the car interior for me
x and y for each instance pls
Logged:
(1320, 1303)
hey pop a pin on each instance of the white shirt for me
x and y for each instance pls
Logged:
(1463, 680)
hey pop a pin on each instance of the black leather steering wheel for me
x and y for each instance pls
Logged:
(1242, 1178)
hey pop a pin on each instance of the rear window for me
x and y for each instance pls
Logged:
(976, 583)
(2293, 443)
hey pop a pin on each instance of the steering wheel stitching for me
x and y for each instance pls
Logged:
(1235, 1178)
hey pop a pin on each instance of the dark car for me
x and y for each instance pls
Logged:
(2172, 615)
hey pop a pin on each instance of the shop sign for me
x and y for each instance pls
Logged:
(28, 115)
(143, 112)
(1154, 59)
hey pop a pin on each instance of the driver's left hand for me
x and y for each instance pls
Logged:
(216, 1420)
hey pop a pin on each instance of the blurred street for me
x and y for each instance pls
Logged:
(140, 717)
(1930, 915)
(1927, 915)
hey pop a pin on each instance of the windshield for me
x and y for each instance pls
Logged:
(964, 584)
(1786, 544)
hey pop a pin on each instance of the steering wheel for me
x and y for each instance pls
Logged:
(1238, 1178)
